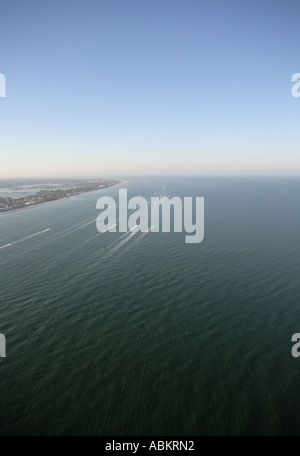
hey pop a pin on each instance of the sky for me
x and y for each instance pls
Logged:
(125, 87)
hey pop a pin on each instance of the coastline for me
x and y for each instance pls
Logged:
(33, 206)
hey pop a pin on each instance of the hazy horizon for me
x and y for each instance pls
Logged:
(133, 176)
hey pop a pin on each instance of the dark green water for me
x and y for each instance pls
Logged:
(146, 335)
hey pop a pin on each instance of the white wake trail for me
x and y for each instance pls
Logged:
(119, 245)
(81, 227)
(5, 246)
(25, 239)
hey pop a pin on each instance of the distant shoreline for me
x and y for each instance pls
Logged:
(33, 206)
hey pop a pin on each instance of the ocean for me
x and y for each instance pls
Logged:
(119, 334)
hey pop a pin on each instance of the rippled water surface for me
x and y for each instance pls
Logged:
(121, 334)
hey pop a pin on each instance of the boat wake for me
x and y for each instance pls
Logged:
(24, 239)
(5, 246)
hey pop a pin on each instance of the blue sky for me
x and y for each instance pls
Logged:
(116, 87)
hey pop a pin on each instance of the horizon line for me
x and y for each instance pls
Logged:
(109, 176)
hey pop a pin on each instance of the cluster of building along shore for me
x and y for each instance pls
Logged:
(65, 190)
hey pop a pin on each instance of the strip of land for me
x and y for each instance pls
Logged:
(50, 193)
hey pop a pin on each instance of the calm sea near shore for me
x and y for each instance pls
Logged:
(114, 334)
